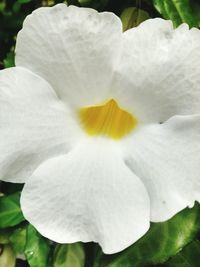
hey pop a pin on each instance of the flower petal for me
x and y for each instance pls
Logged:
(159, 72)
(73, 48)
(33, 124)
(167, 159)
(94, 197)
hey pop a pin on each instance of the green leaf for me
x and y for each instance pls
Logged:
(10, 212)
(188, 257)
(36, 249)
(132, 17)
(69, 255)
(18, 239)
(7, 256)
(178, 11)
(162, 241)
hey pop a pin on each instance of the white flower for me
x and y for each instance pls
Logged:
(102, 126)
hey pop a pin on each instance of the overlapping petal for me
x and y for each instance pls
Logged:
(166, 157)
(74, 49)
(34, 125)
(158, 74)
(94, 197)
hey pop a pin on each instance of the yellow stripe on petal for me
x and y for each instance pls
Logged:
(108, 120)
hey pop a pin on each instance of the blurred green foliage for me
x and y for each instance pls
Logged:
(174, 243)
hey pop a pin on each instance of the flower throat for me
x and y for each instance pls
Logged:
(107, 120)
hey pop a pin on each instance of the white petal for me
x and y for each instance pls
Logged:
(34, 124)
(159, 72)
(73, 48)
(94, 197)
(167, 159)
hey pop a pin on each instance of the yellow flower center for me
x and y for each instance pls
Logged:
(108, 120)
